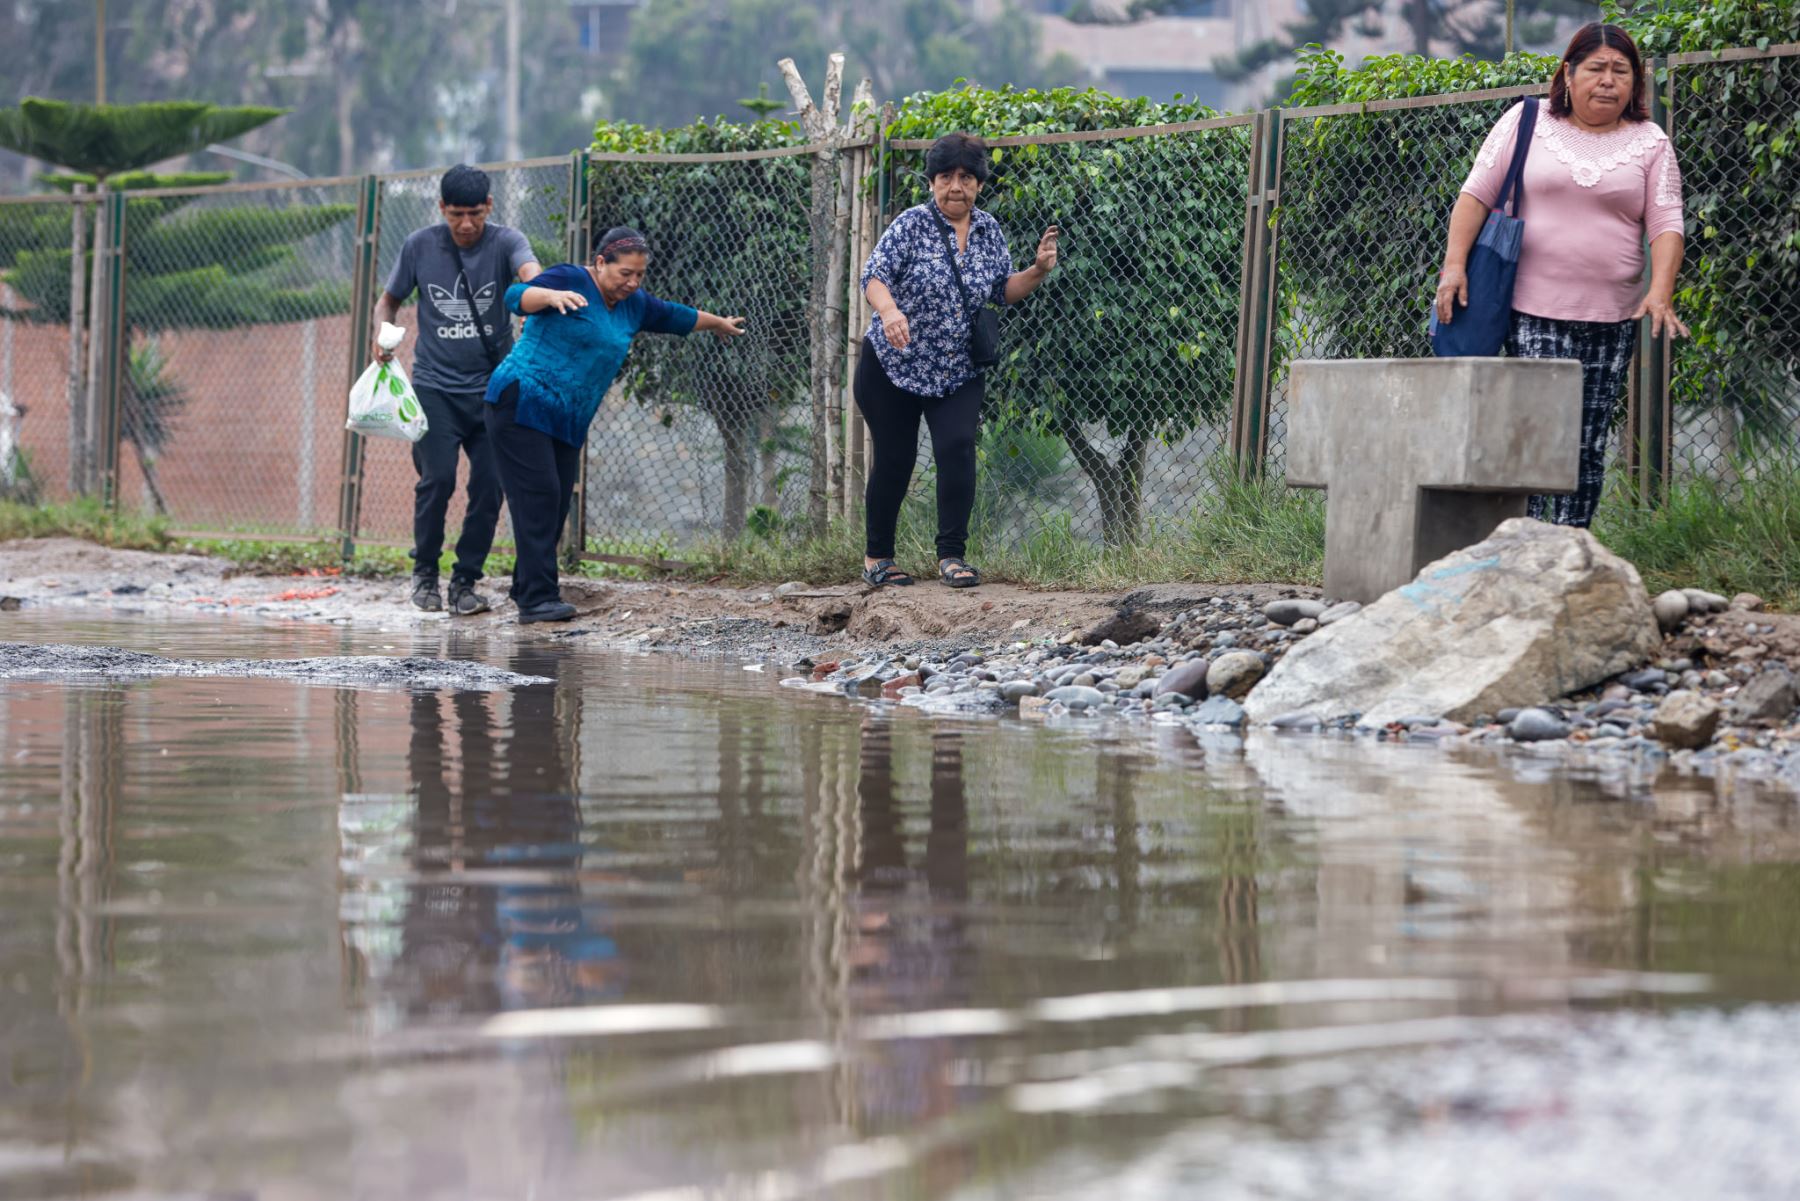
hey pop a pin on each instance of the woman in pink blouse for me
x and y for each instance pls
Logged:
(1600, 181)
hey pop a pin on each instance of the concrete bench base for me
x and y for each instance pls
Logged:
(1421, 457)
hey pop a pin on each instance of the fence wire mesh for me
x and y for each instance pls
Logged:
(699, 439)
(37, 442)
(1109, 412)
(1735, 390)
(1108, 418)
(221, 287)
(1364, 209)
(532, 198)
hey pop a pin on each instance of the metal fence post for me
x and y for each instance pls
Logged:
(1255, 366)
(1648, 414)
(362, 315)
(577, 233)
(113, 354)
(78, 321)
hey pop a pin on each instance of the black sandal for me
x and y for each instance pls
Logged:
(958, 574)
(884, 573)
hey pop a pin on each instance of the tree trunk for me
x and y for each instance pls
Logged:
(737, 430)
(1118, 482)
(1418, 15)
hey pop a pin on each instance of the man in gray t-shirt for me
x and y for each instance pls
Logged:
(461, 270)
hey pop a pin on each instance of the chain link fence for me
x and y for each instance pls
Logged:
(702, 439)
(38, 443)
(1110, 409)
(1198, 262)
(531, 197)
(236, 331)
(1735, 386)
(1365, 195)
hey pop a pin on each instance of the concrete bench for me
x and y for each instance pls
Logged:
(1421, 457)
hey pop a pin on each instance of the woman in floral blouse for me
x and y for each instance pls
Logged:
(916, 360)
(1600, 183)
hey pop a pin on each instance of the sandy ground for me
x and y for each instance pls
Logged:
(789, 622)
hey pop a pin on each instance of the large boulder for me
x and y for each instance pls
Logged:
(1533, 613)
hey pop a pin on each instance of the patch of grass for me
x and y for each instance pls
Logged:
(1742, 536)
(1243, 532)
(1734, 537)
(85, 519)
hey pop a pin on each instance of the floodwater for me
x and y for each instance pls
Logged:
(665, 930)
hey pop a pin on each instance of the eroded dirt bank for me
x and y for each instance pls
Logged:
(786, 622)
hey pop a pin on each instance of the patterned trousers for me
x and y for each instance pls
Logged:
(1604, 350)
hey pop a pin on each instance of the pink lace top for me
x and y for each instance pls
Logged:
(1592, 200)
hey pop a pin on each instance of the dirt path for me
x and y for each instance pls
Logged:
(791, 620)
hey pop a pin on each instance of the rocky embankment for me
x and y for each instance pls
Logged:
(1544, 639)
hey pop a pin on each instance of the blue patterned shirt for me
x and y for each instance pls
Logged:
(913, 260)
(565, 362)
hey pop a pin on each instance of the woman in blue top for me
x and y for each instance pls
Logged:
(544, 394)
(915, 358)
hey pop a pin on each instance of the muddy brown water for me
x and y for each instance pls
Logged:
(665, 930)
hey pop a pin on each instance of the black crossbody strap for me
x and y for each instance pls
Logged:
(489, 342)
(950, 242)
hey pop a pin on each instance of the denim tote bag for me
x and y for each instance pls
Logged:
(1481, 327)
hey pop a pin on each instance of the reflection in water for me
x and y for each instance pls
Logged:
(257, 934)
(494, 915)
(910, 949)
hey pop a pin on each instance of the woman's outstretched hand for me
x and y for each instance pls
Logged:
(728, 328)
(1661, 312)
(897, 329)
(1452, 290)
(563, 302)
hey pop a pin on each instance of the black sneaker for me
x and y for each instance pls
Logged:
(464, 600)
(548, 611)
(425, 594)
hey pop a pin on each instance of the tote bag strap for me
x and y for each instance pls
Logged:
(1513, 187)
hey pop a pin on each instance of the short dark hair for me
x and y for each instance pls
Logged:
(1588, 39)
(620, 239)
(464, 186)
(958, 150)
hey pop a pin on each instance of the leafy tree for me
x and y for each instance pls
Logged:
(693, 58)
(689, 59)
(1130, 342)
(370, 84)
(729, 237)
(100, 140)
(190, 265)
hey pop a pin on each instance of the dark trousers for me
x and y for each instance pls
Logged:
(538, 473)
(1604, 349)
(893, 414)
(456, 424)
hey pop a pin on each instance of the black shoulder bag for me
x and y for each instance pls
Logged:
(490, 343)
(984, 324)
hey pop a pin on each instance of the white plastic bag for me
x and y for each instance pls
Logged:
(382, 403)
